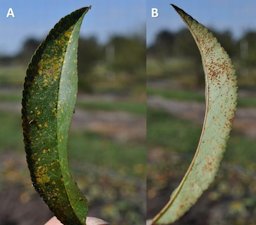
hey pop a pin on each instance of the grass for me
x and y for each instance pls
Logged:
(247, 102)
(7, 97)
(182, 136)
(171, 133)
(181, 95)
(241, 150)
(127, 158)
(189, 95)
(10, 132)
(12, 75)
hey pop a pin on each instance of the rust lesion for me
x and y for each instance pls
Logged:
(209, 164)
(41, 174)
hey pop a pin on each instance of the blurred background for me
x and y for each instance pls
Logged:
(175, 87)
(107, 139)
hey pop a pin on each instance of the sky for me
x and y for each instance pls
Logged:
(234, 15)
(34, 18)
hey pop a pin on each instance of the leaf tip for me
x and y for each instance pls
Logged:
(185, 16)
(178, 10)
(84, 10)
(176, 7)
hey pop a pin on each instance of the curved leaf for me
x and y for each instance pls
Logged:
(221, 97)
(47, 107)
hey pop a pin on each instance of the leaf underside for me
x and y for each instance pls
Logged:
(48, 102)
(221, 98)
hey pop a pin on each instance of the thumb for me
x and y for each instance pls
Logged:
(95, 221)
(89, 221)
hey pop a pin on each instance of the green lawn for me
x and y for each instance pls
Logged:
(11, 97)
(181, 95)
(182, 136)
(10, 132)
(189, 95)
(128, 158)
(12, 75)
(171, 133)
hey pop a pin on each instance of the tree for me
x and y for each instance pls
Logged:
(27, 50)
(163, 44)
(90, 52)
(128, 54)
(248, 49)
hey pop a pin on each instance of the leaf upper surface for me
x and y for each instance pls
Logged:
(47, 107)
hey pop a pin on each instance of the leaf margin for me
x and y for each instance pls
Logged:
(162, 217)
(72, 21)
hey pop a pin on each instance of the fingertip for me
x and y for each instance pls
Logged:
(89, 221)
(95, 221)
(54, 221)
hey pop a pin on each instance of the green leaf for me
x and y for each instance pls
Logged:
(47, 107)
(221, 97)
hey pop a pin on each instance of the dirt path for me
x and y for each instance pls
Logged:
(244, 122)
(119, 125)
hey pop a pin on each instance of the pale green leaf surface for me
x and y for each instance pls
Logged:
(221, 98)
